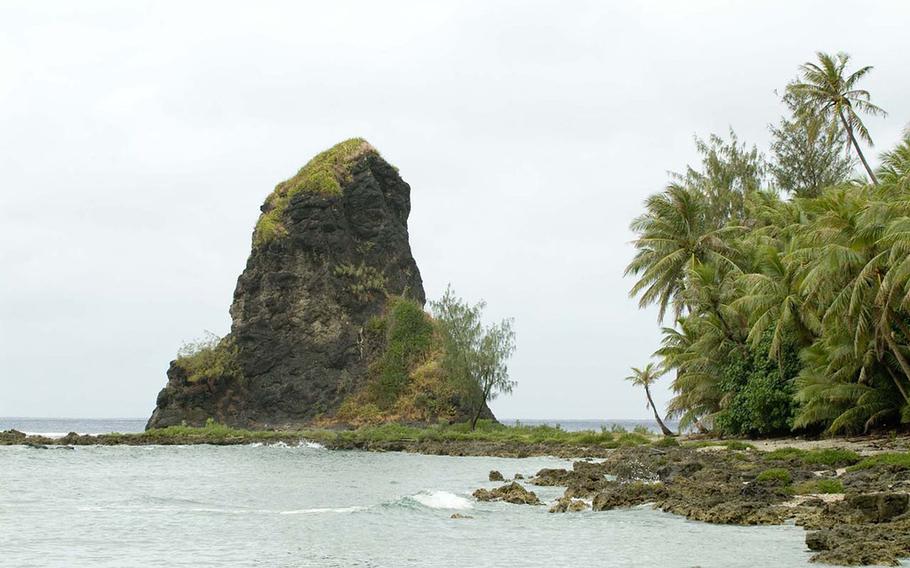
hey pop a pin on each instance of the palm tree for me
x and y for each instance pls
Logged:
(836, 97)
(895, 169)
(676, 232)
(693, 352)
(772, 299)
(644, 377)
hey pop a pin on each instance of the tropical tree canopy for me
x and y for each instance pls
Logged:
(787, 313)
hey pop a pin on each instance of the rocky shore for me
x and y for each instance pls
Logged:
(854, 509)
(851, 496)
(330, 439)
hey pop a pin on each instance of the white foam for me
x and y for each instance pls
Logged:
(442, 500)
(321, 510)
(311, 445)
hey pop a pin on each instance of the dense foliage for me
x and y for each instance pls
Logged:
(790, 310)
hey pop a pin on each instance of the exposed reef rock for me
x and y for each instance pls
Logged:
(310, 316)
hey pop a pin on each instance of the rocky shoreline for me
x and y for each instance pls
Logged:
(856, 511)
(329, 439)
(851, 496)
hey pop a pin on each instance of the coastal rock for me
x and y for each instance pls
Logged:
(628, 495)
(551, 476)
(879, 507)
(330, 253)
(496, 476)
(511, 493)
(568, 505)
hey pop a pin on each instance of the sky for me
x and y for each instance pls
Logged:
(138, 140)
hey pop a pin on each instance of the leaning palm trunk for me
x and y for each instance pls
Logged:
(897, 383)
(663, 427)
(862, 158)
(901, 360)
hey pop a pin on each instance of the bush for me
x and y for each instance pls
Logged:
(408, 340)
(775, 476)
(760, 392)
(209, 359)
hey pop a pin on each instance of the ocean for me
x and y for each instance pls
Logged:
(305, 506)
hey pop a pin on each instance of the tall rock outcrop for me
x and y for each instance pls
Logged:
(330, 253)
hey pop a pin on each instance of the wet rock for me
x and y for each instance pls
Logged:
(460, 516)
(519, 476)
(511, 493)
(566, 504)
(550, 476)
(628, 495)
(496, 476)
(818, 540)
(879, 507)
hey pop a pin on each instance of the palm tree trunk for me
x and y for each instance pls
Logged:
(895, 348)
(897, 383)
(663, 427)
(858, 151)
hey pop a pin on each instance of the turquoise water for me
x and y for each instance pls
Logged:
(310, 507)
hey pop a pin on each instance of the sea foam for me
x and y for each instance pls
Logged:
(442, 500)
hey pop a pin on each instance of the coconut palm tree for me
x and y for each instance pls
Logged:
(772, 299)
(676, 232)
(644, 377)
(835, 96)
(895, 169)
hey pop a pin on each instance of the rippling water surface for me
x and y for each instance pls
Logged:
(307, 506)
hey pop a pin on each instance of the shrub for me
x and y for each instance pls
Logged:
(775, 476)
(408, 340)
(760, 391)
(210, 359)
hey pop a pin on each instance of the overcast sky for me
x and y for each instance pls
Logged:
(138, 139)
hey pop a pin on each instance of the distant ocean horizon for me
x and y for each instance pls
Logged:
(62, 426)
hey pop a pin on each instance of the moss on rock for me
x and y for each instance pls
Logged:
(323, 175)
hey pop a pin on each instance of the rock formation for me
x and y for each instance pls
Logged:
(330, 257)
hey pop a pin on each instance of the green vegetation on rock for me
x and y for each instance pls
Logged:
(832, 457)
(363, 281)
(405, 382)
(323, 175)
(896, 460)
(775, 476)
(209, 359)
(817, 486)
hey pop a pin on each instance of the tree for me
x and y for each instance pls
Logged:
(644, 377)
(805, 159)
(836, 98)
(729, 172)
(476, 355)
(675, 232)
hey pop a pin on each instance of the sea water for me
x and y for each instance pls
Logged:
(305, 506)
